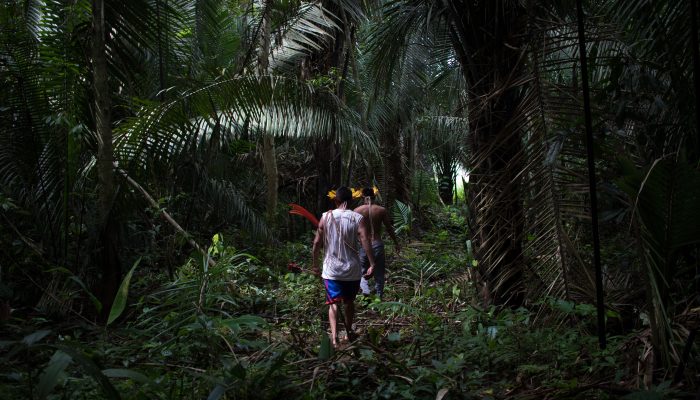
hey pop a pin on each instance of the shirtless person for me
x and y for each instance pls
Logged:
(376, 215)
(341, 232)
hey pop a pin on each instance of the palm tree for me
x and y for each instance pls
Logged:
(444, 127)
(109, 253)
(317, 44)
(523, 116)
(642, 78)
(659, 111)
(486, 41)
(42, 131)
(55, 64)
(42, 167)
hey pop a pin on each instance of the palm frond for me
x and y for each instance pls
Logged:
(556, 175)
(309, 29)
(34, 136)
(403, 217)
(664, 202)
(205, 121)
(277, 106)
(230, 204)
(402, 23)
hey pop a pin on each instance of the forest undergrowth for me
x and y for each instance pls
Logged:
(247, 327)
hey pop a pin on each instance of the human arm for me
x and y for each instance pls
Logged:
(366, 243)
(390, 229)
(317, 244)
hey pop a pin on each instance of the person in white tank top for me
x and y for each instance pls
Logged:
(341, 232)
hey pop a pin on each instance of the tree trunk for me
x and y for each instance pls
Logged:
(108, 243)
(328, 153)
(328, 167)
(396, 174)
(485, 40)
(269, 156)
(445, 187)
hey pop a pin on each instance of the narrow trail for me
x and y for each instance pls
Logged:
(432, 339)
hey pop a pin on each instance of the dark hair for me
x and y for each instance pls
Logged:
(343, 194)
(368, 192)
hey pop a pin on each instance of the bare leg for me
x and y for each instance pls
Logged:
(333, 319)
(349, 314)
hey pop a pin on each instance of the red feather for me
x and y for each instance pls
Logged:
(299, 210)
(293, 267)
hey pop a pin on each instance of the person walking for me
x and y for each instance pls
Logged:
(376, 216)
(339, 232)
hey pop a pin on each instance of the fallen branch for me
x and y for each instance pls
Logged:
(165, 214)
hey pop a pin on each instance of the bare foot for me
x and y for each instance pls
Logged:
(351, 336)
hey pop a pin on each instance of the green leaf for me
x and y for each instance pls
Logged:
(216, 244)
(564, 305)
(95, 301)
(646, 395)
(585, 309)
(49, 378)
(127, 373)
(89, 366)
(249, 322)
(402, 216)
(218, 391)
(238, 371)
(324, 352)
(120, 299)
(470, 252)
(35, 337)
(74, 278)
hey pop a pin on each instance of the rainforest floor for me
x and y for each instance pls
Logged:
(249, 328)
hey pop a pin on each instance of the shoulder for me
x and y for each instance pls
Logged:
(356, 215)
(378, 209)
(362, 210)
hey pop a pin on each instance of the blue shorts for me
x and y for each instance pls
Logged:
(341, 291)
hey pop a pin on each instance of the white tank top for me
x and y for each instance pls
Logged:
(342, 261)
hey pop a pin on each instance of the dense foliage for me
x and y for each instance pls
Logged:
(248, 328)
(149, 149)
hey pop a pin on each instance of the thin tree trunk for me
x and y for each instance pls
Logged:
(167, 216)
(329, 173)
(269, 156)
(591, 177)
(161, 63)
(328, 154)
(395, 172)
(108, 251)
(445, 188)
(696, 70)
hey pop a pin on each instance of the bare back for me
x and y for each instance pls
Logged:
(376, 216)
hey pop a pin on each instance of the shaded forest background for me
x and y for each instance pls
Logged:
(149, 150)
